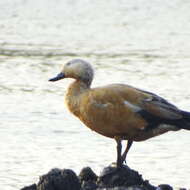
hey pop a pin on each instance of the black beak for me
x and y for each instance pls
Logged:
(58, 77)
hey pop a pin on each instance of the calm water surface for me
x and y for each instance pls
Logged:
(141, 43)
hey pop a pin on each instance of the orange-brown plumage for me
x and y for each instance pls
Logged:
(119, 111)
(104, 111)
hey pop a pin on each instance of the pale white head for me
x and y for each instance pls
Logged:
(77, 69)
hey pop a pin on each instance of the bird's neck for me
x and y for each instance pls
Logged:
(73, 95)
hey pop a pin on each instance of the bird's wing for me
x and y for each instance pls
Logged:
(123, 110)
(127, 104)
(160, 107)
(139, 100)
(112, 105)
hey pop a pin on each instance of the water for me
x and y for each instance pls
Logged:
(141, 43)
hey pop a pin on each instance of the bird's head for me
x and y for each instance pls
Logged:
(77, 69)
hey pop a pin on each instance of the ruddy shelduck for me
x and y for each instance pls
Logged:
(119, 111)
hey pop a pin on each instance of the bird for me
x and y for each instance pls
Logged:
(119, 111)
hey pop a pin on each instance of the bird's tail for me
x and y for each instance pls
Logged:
(185, 124)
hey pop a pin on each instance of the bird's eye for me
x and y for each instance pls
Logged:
(69, 63)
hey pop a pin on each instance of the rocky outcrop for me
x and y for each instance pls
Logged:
(110, 178)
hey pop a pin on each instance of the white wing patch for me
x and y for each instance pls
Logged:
(100, 105)
(132, 106)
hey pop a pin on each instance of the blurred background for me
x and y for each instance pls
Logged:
(137, 42)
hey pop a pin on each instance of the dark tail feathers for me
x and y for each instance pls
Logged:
(185, 122)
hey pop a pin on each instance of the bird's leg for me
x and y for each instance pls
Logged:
(119, 148)
(124, 155)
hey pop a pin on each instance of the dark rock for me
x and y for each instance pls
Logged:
(88, 179)
(123, 188)
(164, 187)
(88, 185)
(58, 179)
(87, 174)
(122, 177)
(31, 187)
(111, 178)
